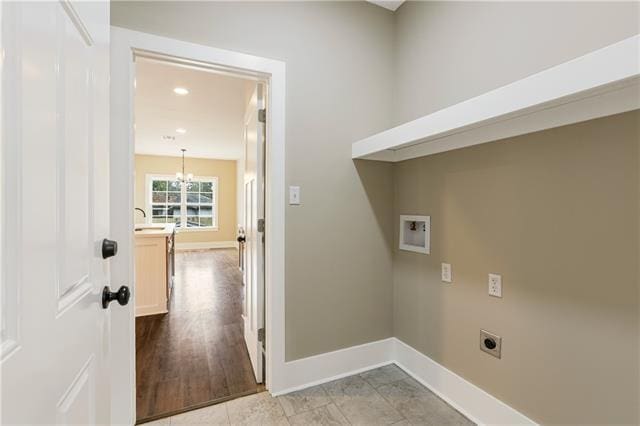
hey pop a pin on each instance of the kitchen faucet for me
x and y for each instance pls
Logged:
(143, 213)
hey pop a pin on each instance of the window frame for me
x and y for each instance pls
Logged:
(149, 178)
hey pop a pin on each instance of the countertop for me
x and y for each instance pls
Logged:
(147, 230)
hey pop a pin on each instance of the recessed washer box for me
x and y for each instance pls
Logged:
(415, 233)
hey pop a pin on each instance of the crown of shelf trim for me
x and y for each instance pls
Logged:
(601, 83)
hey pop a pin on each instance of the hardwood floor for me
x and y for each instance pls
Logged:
(195, 354)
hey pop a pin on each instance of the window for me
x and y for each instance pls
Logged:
(193, 207)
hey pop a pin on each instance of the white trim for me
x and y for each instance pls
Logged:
(323, 368)
(476, 404)
(206, 245)
(601, 83)
(124, 44)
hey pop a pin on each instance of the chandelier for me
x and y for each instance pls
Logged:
(182, 178)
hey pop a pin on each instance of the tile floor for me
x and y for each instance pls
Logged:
(383, 396)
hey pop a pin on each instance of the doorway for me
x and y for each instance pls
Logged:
(126, 45)
(198, 242)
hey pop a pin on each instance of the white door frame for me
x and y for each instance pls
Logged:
(124, 43)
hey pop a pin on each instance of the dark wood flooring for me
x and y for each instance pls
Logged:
(195, 354)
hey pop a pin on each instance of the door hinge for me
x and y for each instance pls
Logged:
(262, 115)
(261, 335)
(260, 225)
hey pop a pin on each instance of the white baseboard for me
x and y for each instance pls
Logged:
(206, 245)
(479, 406)
(323, 368)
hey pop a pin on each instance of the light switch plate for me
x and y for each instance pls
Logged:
(495, 285)
(446, 272)
(294, 195)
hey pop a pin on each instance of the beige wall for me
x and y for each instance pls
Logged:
(555, 212)
(447, 52)
(338, 82)
(225, 170)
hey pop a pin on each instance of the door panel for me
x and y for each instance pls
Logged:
(55, 208)
(254, 246)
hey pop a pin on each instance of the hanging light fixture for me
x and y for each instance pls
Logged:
(184, 179)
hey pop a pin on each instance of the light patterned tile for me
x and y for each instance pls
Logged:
(258, 409)
(159, 422)
(384, 375)
(328, 415)
(212, 415)
(421, 406)
(360, 403)
(304, 400)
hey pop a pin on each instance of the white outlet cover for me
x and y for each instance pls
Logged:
(495, 285)
(446, 272)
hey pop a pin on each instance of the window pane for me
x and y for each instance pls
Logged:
(159, 185)
(173, 211)
(206, 197)
(192, 198)
(159, 220)
(192, 210)
(173, 197)
(174, 185)
(206, 186)
(159, 197)
(159, 210)
(192, 221)
(206, 221)
(206, 211)
(195, 187)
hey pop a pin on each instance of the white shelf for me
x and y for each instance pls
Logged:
(601, 83)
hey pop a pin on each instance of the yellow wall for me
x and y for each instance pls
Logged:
(224, 170)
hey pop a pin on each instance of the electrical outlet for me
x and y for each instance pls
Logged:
(294, 195)
(495, 285)
(490, 343)
(446, 272)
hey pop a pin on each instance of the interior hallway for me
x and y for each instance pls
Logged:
(195, 354)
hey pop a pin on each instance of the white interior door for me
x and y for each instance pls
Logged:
(254, 246)
(55, 212)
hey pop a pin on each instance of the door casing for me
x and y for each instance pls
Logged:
(125, 46)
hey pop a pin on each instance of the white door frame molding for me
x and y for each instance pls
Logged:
(125, 45)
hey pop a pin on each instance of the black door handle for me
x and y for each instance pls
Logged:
(109, 248)
(122, 296)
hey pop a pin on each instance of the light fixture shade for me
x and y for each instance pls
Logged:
(178, 176)
(190, 177)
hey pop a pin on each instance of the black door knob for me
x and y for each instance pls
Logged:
(122, 296)
(242, 239)
(109, 248)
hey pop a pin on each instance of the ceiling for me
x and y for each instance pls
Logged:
(388, 4)
(212, 113)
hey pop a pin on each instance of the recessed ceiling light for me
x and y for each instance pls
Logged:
(181, 91)
(181, 130)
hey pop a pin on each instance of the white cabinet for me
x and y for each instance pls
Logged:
(154, 269)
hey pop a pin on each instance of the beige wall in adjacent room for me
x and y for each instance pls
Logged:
(224, 170)
(339, 61)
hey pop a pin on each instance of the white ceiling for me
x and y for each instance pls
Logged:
(387, 4)
(212, 113)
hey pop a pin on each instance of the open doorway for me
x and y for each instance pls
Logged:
(198, 238)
